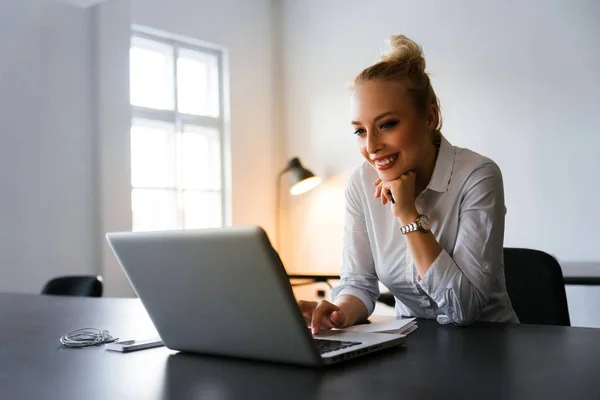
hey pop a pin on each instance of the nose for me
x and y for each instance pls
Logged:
(373, 142)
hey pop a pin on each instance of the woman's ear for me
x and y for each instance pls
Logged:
(432, 116)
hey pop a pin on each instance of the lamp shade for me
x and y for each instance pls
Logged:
(301, 179)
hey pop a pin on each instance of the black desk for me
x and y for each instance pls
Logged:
(581, 273)
(482, 361)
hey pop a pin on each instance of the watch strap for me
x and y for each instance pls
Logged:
(412, 227)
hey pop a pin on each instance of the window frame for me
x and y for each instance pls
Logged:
(179, 120)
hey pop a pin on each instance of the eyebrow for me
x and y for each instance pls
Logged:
(377, 118)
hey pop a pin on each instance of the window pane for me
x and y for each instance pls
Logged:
(201, 163)
(154, 209)
(151, 74)
(197, 83)
(152, 154)
(201, 209)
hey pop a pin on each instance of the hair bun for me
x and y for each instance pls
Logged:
(405, 51)
(404, 64)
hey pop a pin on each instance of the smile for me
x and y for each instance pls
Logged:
(386, 162)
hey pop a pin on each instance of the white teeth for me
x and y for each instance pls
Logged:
(386, 161)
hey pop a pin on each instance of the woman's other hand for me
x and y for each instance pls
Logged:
(322, 315)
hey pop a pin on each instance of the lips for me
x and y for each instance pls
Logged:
(386, 163)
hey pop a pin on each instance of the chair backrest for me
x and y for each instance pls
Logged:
(536, 288)
(84, 285)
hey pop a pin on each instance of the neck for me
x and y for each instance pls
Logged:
(425, 171)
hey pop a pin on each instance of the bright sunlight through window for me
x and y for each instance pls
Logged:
(176, 135)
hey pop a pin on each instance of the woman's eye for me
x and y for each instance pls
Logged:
(389, 125)
(359, 131)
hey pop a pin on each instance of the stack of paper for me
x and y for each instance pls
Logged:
(386, 324)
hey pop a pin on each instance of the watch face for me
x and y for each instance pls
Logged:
(425, 222)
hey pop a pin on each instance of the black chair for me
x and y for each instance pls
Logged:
(388, 299)
(536, 287)
(84, 285)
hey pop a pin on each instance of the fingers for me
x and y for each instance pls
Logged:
(323, 309)
(326, 324)
(410, 175)
(384, 189)
(378, 190)
(338, 318)
(379, 187)
(387, 194)
(307, 308)
(391, 197)
(307, 318)
(322, 316)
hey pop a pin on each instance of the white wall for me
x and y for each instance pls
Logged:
(45, 143)
(65, 114)
(244, 29)
(518, 82)
(112, 156)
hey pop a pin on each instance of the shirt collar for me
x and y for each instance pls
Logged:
(443, 167)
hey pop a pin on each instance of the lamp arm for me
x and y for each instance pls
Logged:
(293, 163)
(278, 212)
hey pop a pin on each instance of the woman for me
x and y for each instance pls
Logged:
(422, 216)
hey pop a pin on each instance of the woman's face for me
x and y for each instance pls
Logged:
(392, 136)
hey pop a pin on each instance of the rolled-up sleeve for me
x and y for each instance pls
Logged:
(357, 276)
(460, 283)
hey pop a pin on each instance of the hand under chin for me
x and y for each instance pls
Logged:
(392, 174)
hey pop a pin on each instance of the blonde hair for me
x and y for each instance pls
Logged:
(404, 63)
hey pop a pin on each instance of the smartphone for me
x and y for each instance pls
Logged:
(125, 346)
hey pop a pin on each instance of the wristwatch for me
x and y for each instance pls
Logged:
(423, 224)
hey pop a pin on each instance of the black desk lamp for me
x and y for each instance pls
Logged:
(301, 179)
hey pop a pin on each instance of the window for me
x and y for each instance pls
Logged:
(176, 134)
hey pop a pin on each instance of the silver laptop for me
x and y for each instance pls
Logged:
(225, 292)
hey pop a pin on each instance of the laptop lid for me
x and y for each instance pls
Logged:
(217, 291)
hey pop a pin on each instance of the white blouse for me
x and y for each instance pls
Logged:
(465, 202)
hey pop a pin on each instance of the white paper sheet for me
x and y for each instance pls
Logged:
(385, 324)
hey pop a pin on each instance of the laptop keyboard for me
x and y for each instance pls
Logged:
(325, 345)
